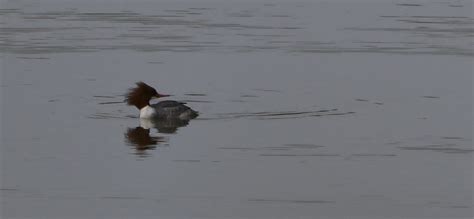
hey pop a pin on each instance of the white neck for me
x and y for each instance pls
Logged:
(147, 112)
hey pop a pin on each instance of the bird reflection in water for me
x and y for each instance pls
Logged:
(141, 140)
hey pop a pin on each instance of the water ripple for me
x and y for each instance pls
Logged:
(197, 30)
(282, 114)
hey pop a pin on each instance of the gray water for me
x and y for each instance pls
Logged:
(336, 109)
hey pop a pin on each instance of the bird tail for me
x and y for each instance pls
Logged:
(189, 114)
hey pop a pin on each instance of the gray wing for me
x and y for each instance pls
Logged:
(169, 104)
(172, 109)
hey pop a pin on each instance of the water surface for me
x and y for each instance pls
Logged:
(307, 109)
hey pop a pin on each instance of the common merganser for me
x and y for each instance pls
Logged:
(140, 97)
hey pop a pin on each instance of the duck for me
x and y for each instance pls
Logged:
(140, 96)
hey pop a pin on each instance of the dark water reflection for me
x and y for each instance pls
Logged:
(143, 141)
(140, 139)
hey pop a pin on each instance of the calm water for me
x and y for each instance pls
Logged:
(308, 109)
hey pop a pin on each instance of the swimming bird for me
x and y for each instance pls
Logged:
(140, 97)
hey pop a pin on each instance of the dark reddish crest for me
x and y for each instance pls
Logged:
(140, 95)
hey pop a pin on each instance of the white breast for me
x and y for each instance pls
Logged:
(147, 112)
